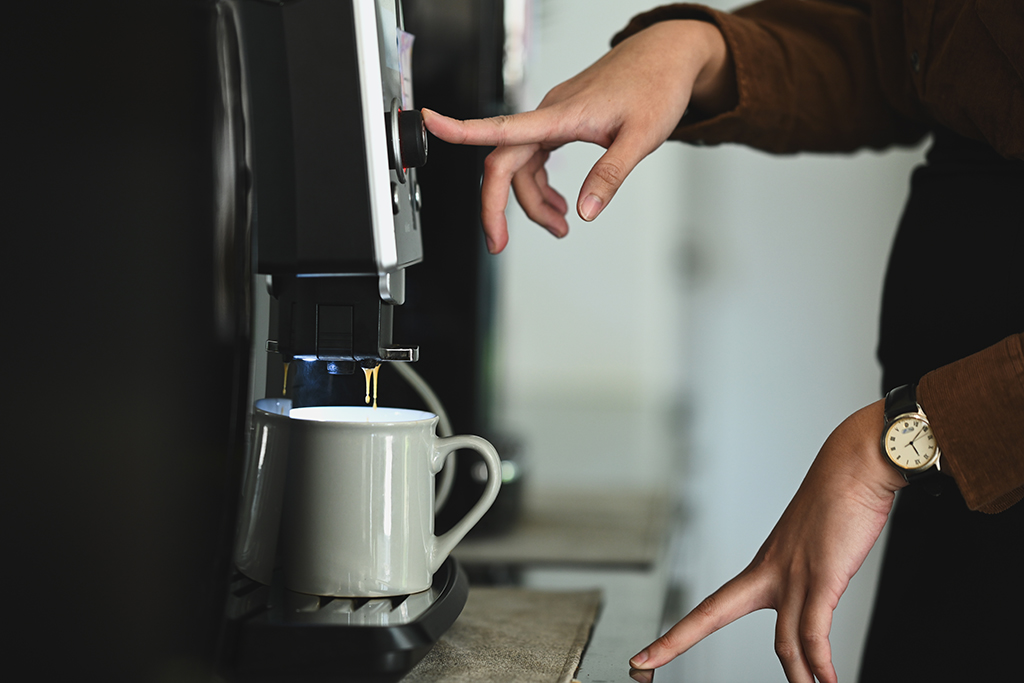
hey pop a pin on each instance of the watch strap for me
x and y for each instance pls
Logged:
(928, 480)
(902, 399)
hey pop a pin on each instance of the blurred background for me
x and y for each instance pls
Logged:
(706, 333)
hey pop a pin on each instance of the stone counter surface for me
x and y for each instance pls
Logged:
(582, 571)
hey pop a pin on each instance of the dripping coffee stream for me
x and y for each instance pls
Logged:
(374, 371)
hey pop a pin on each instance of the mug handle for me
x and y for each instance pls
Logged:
(443, 545)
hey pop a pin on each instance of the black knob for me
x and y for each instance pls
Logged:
(412, 135)
(412, 140)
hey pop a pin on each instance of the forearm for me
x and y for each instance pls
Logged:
(714, 90)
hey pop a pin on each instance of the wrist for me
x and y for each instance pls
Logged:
(887, 474)
(870, 424)
(698, 52)
(714, 90)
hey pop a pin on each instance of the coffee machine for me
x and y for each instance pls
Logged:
(328, 141)
(134, 216)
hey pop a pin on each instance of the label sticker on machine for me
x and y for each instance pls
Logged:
(388, 26)
(405, 41)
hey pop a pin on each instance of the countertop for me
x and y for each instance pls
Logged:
(616, 542)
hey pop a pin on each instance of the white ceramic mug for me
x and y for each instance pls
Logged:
(359, 500)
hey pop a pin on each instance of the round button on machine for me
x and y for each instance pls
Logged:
(407, 139)
(412, 138)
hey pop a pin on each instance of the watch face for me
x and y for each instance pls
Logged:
(910, 443)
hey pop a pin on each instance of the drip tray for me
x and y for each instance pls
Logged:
(397, 611)
(280, 635)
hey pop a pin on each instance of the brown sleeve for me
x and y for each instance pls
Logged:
(976, 407)
(806, 74)
(971, 77)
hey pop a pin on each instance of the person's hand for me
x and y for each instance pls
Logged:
(808, 560)
(628, 102)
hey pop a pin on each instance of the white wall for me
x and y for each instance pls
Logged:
(741, 285)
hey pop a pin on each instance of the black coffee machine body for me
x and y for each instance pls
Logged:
(127, 341)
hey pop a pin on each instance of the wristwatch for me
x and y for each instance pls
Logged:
(908, 441)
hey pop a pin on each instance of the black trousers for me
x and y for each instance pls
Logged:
(950, 599)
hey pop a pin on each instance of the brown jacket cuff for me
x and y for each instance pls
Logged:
(976, 407)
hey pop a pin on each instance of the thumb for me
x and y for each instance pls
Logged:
(608, 174)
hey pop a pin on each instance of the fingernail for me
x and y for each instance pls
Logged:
(591, 207)
(639, 660)
(490, 245)
(641, 675)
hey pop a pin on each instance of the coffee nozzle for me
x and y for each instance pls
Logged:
(400, 354)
